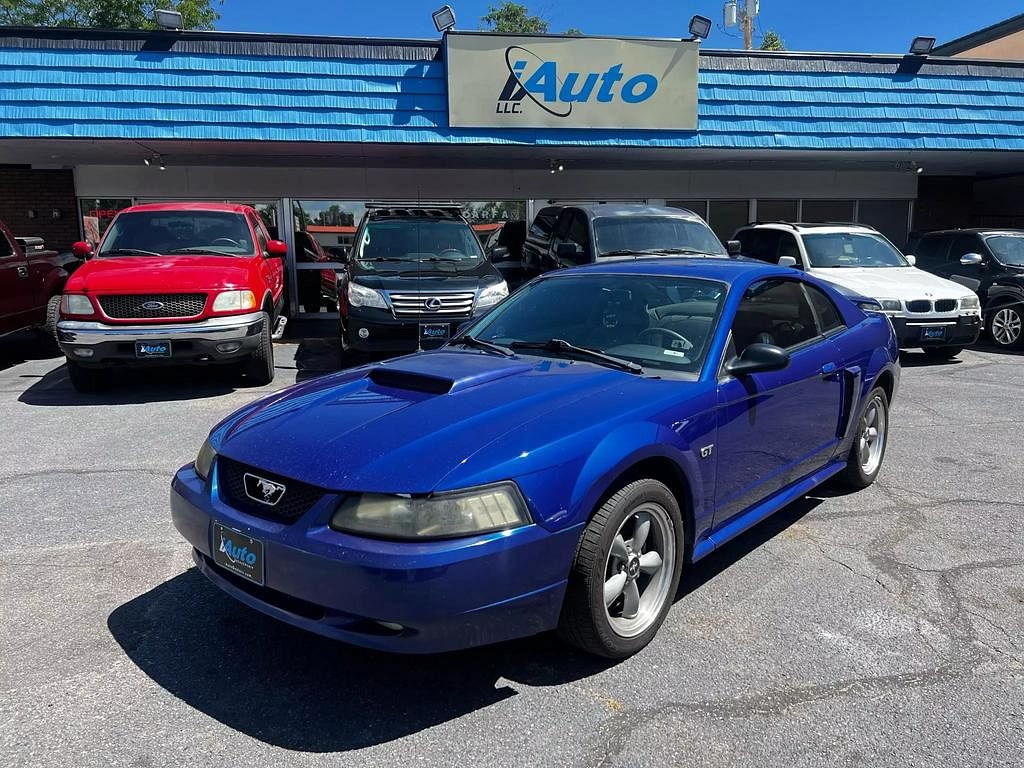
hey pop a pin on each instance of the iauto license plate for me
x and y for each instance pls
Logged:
(238, 552)
(933, 333)
(434, 331)
(152, 349)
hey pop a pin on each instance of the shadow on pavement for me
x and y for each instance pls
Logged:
(303, 692)
(22, 347)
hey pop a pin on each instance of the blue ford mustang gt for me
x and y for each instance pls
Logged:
(555, 466)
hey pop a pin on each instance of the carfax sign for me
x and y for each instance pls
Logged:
(565, 82)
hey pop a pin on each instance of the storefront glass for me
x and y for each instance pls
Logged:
(97, 213)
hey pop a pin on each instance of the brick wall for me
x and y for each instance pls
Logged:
(25, 189)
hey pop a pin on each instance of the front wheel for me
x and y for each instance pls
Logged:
(259, 369)
(869, 443)
(626, 572)
(48, 330)
(1006, 326)
(88, 380)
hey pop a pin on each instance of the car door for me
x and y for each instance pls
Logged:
(17, 295)
(273, 267)
(779, 426)
(968, 275)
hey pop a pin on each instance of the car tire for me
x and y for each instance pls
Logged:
(943, 353)
(259, 368)
(1005, 326)
(617, 598)
(88, 380)
(869, 443)
(47, 332)
(343, 335)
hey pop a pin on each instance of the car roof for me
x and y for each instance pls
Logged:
(825, 227)
(190, 206)
(975, 231)
(721, 268)
(601, 210)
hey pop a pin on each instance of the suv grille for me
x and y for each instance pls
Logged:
(919, 305)
(449, 304)
(295, 502)
(945, 305)
(172, 305)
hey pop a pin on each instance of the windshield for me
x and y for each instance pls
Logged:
(851, 249)
(615, 234)
(443, 242)
(155, 233)
(1009, 249)
(659, 322)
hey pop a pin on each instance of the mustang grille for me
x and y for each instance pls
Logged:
(945, 305)
(131, 306)
(919, 305)
(430, 304)
(295, 501)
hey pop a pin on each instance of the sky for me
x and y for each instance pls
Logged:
(863, 26)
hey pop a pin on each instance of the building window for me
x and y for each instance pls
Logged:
(890, 217)
(97, 213)
(817, 211)
(700, 207)
(726, 216)
(777, 210)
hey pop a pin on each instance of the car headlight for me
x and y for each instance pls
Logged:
(444, 515)
(890, 305)
(204, 461)
(361, 296)
(75, 304)
(970, 302)
(491, 295)
(228, 301)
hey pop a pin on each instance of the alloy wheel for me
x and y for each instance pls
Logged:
(639, 569)
(871, 442)
(1006, 326)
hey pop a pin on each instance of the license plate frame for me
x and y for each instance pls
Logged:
(145, 350)
(933, 333)
(238, 553)
(443, 332)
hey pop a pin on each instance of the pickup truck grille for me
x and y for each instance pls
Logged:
(131, 306)
(431, 304)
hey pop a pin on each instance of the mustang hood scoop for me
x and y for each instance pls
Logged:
(440, 373)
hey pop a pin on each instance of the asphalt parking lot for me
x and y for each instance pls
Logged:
(881, 628)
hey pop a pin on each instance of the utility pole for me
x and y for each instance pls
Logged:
(742, 13)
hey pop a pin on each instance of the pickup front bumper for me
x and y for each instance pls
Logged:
(218, 339)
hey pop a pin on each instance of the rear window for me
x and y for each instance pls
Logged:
(156, 233)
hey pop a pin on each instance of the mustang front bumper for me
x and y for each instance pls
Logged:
(410, 597)
(216, 339)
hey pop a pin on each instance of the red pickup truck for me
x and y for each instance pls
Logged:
(31, 279)
(174, 283)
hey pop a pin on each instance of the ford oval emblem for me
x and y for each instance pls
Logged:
(433, 303)
(153, 305)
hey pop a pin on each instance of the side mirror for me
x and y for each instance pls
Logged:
(758, 358)
(969, 259)
(82, 249)
(567, 251)
(499, 252)
(277, 249)
(787, 261)
(733, 247)
(912, 259)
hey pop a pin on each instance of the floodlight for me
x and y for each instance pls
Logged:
(700, 27)
(922, 46)
(444, 18)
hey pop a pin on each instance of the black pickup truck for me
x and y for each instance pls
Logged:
(31, 281)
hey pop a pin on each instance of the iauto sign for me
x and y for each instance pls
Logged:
(567, 82)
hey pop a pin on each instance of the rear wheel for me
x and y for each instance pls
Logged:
(88, 380)
(869, 443)
(259, 368)
(47, 332)
(943, 353)
(1006, 326)
(626, 572)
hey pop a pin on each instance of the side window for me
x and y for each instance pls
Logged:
(261, 236)
(761, 244)
(5, 247)
(789, 247)
(773, 312)
(828, 316)
(962, 244)
(579, 237)
(930, 252)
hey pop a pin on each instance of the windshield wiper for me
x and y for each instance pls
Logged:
(563, 346)
(129, 252)
(629, 252)
(489, 346)
(213, 251)
(652, 251)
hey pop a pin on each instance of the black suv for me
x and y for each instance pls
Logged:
(989, 262)
(415, 273)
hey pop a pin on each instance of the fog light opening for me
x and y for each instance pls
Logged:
(364, 333)
(83, 352)
(229, 346)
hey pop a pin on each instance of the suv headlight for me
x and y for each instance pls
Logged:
(75, 304)
(444, 515)
(204, 461)
(228, 301)
(361, 296)
(970, 302)
(891, 305)
(491, 295)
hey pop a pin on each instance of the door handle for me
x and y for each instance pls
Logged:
(828, 370)
(22, 271)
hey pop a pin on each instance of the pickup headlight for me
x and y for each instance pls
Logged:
(361, 296)
(491, 295)
(444, 515)
(204, 461)
(890, 305)
(228, 301)
(970, 302)
(75, 304)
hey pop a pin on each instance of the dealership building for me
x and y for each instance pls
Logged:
(310, 129)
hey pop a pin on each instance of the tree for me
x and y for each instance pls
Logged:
(513, 18)
(772, 42)
(106, 14)
(574, 31)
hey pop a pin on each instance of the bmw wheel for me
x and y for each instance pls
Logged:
(626, 572)
(869, 442)
(1005, 326)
